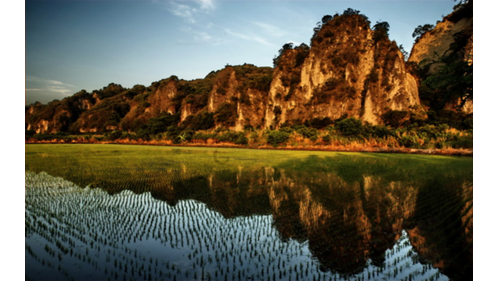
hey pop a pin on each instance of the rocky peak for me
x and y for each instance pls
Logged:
(350, 70)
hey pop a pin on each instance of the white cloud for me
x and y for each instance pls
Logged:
(207, 5)
(202, 36)
(270, 29)
(196, 14)
(249, 37)
(35, 84)
(190, 10)
(183, 11)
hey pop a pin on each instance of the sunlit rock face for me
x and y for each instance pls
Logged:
(349, 70)
(238, 96)
(436, 42)
(453, 36)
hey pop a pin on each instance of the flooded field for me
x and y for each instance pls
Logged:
(109, 212)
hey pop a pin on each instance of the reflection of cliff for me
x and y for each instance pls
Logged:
(350, 211)
(346, 223)
(441, 227)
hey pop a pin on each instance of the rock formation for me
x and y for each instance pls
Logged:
(350, 70)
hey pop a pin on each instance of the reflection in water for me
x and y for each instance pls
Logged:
(302, 220)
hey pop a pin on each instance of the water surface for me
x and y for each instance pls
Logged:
(188, 214)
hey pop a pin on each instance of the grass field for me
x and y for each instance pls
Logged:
(92, 164)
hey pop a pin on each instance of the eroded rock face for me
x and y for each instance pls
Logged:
(436, 43)
(162, 100)
(350, 70)
(239, 95)
(450, 40)
(57, 116)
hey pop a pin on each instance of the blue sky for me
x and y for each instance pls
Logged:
(74, 45)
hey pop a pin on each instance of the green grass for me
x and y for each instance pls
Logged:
(126, 165)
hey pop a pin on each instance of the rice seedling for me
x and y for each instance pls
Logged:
(156, 213)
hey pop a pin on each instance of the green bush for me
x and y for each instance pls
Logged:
(226, 114)
(143, 134)
(350, 126)
(468, 123)
(319, 123)
(114, 135)
(172, 133)
(381, 131)
(242, 140)
(200, 121)
(327, 139)
(408, 142)
(308, 132)
(286, 130)
(159, 124)
(203, 136)
(185, 136)
(463, 142)
(229, 136)
(275, 138)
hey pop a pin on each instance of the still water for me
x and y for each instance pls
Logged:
(265, 223)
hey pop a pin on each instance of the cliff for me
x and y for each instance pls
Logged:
(445, 52)
(350, 70)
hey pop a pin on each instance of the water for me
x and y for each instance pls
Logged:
(267, 225)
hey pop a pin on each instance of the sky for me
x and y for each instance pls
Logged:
(73, 45)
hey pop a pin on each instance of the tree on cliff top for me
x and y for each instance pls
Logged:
(420, 31)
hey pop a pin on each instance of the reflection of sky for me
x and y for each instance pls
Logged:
(403, 256)
(89, 44)
(138, 230)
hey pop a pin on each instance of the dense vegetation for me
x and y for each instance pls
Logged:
(447, 132)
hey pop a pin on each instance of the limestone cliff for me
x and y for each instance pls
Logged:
(239, 95)
(350, 70)
(445, 52)
(57, 116)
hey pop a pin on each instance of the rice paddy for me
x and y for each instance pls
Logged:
(111, 212)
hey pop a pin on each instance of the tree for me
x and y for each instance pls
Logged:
(326, 19)
(381, 30)
(382, 26)
(452, 81)
(350, 12)
(421, 30)
(403, 51)
(350, 126)
(287, 46)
